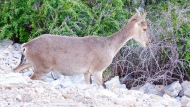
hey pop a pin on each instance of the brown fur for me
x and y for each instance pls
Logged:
(75, 55)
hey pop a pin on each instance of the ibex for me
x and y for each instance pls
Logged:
(89, 55)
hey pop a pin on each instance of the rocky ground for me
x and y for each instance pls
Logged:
(17, 90)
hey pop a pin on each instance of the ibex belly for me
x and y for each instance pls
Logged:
(70, 63)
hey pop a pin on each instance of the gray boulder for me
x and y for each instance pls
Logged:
(185, 89)
(6, 43)
(148, 88)
(173, 89)
(114, 83)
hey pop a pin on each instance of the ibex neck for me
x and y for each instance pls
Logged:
(118, 39)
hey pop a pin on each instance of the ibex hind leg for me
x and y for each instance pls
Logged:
(22, 60)
(87, 78)
(22, 66)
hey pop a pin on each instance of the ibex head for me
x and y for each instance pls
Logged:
(139, 28)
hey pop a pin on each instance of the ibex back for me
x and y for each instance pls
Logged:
(75, 55)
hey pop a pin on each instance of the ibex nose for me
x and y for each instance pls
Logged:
(148, 42)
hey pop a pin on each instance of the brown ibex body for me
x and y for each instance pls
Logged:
(80, 55)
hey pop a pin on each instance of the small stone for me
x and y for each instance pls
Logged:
(70, 96)
(148, 89)
(47, 79)
(185, 100)
(155, 104)
(87, 94)
(53, 75)
(136, 88)
(114, 83)
(39, 90)
(159, 89)
(11, 48)
(134, 92)
(27, 72)
(129, 98)
(106, 93)
(155, 97)
(169, 101)
(26, 98)
(18, 98)
(185, 89)
(16, 46)
(61, 83)
(178, 99)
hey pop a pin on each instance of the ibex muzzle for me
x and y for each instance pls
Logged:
(89, 55)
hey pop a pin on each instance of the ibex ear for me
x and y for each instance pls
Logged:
(137, 12)
(142, 17)
(136, 16)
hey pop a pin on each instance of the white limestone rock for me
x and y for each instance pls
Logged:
(18, 98)
(173, 89)
(169, 101)
(114, 83)
(185, 101)
(148, 88)
(17, 46)
(6, 43)
(16, 79)
(160, 89)
(185, 89)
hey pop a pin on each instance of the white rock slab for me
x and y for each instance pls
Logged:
(13, 79)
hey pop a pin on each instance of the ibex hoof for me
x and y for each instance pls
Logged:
(104, 86)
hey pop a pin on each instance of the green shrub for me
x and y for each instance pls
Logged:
(15, 16)
(28, 19)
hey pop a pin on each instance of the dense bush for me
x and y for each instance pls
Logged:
(168, 57)
(166, 60)
(28, 19)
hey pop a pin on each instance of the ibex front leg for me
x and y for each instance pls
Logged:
(39, 73)
(98, 78)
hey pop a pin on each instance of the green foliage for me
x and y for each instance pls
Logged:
(28, 19)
